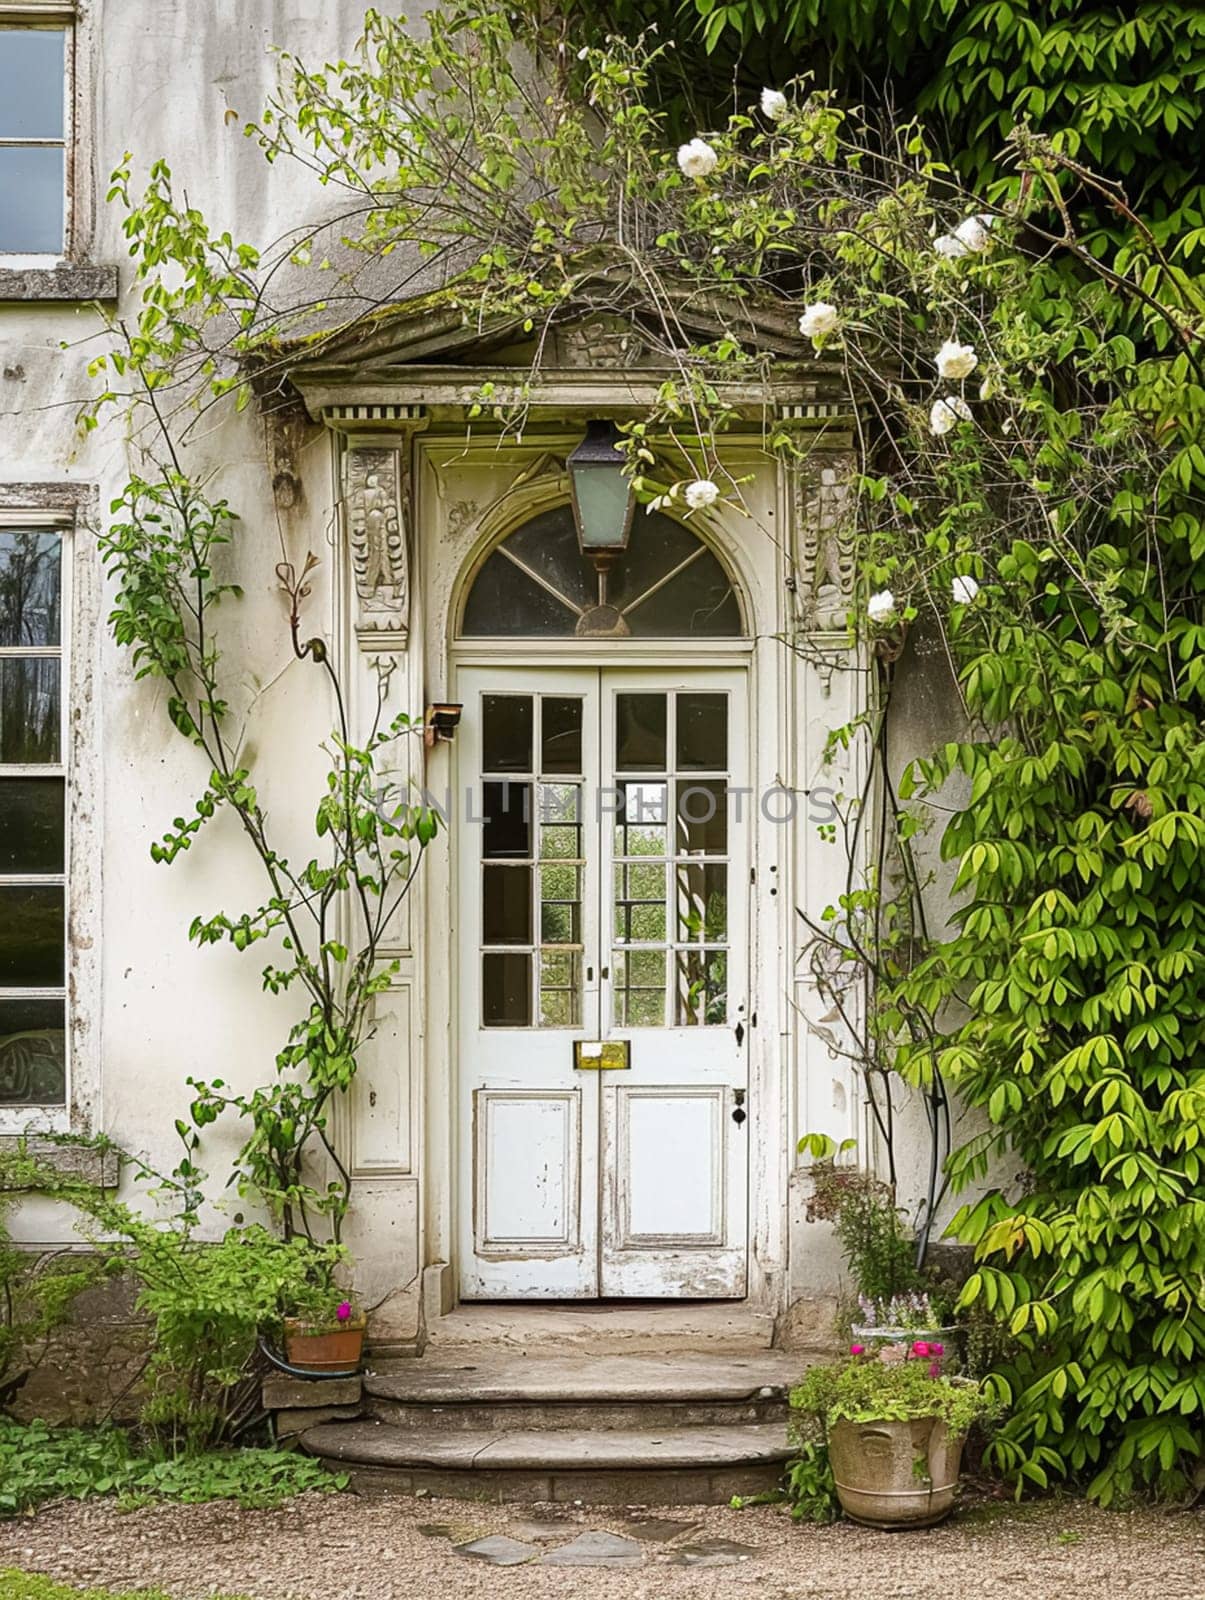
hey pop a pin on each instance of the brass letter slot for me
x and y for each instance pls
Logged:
(601, 1055)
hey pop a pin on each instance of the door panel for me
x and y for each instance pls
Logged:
(528, 902)
(674, 1161)
(602, 896)
(528, 1158)
(660, 1131)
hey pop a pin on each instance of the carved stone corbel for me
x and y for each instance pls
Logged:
(378, 506)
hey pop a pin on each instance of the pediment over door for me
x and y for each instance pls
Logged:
(428, 353)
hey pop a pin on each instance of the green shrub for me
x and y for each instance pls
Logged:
(208, 1301)
(39, 1463)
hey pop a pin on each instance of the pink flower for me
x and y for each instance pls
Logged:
(920, 1348)
(857, 1349)
(343, 1311)
(935, 1369)
(937, 1349)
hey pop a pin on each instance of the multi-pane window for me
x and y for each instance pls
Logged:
(33, 854)
(33, 139)
(532, 861)
(670, 956)
(658, 827)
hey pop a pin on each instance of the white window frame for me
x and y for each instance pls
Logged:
(49, 14)
(54, 1118)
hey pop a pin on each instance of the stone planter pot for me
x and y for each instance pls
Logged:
(895, 1474)
(337, 1347)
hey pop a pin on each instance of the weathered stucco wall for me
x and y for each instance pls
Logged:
(162, 79)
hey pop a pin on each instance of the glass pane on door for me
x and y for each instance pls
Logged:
(533, 861)
(671, 841)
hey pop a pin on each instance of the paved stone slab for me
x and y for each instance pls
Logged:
(595, 1549)
(498, 1550)
(709, 1553)
(544, 1528)
(657, 1530)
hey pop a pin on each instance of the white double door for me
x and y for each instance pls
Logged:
(601, 837)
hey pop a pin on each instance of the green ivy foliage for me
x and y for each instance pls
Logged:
(1122, 84)
(1080, 952)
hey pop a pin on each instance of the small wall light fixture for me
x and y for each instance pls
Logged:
(441, 723)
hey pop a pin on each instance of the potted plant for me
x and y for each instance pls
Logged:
(894, 1425)
(908, 1320)
(324, 1332)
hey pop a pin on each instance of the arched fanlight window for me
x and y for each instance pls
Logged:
(537, 583)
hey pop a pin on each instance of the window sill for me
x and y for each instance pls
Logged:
(61, 282)
(99, 1167)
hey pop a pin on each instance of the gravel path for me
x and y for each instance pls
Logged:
(337, 1547)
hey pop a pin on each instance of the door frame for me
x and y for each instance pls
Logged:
(449, 554)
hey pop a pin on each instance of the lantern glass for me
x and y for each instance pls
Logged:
(602, 495)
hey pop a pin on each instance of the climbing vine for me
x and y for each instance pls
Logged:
(1030, 495)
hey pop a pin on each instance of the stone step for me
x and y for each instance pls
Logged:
(649, 1466)
(622, 1328)
(473, 1390)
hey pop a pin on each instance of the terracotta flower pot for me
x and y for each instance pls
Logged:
(335, 1347)
(895, 1474)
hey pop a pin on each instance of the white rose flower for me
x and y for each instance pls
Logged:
(948, 246)
(700, 494)
(947, 413)
(965, 589)
(773, 104)
(818, 319)
(955, 361)
(976, 232)
(881, 606)
(697, 159)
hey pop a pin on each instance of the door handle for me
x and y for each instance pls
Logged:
(739, 1113)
